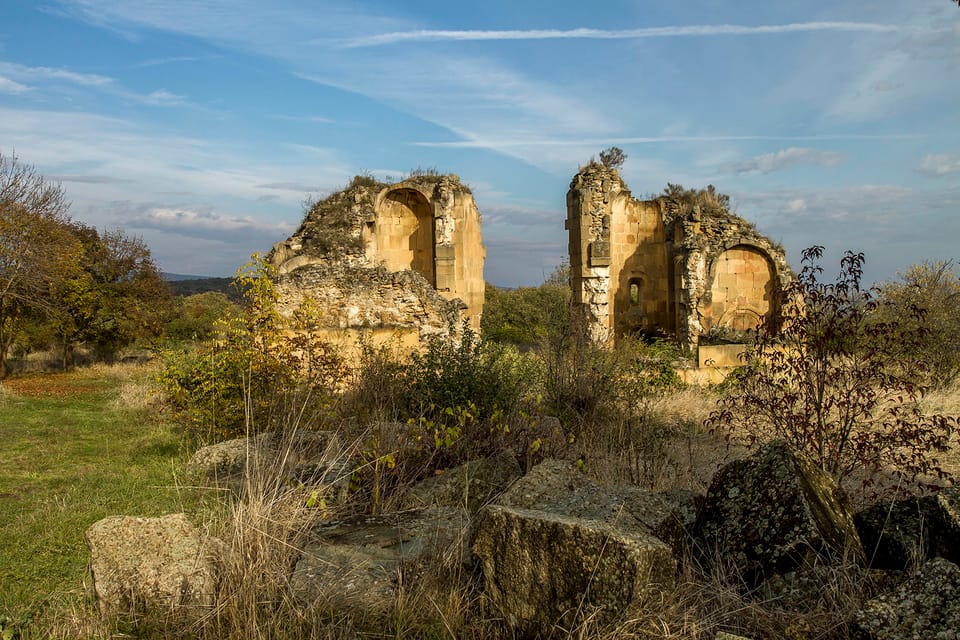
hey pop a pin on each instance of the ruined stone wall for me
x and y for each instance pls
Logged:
(666, 266)
(404, 259)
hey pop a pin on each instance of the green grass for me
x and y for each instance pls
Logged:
(73, 453)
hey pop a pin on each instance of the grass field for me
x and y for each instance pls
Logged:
(75, 447)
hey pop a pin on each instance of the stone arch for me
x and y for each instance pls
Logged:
(742, 288)
(403, 235)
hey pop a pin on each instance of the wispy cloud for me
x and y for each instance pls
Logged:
(162, 98)
(299, 187)
(87, 179)
(680, 31)
(560, 141)
(785, 158)
(939, 165)
(38, 74)
(10, 86)
(154, 62)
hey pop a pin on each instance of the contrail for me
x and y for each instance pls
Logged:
(426, 35)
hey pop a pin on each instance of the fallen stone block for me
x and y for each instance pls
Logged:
(542, 570)
(360, 562)
(139, 564)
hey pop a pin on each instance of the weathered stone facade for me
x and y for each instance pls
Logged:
(403, 260)
(668, 265)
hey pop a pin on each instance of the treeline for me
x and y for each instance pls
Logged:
(63, 283)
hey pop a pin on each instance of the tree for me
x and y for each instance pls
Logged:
(934, 287)
(36, 248)
(613, 157)
(115, 298)
(836, 381)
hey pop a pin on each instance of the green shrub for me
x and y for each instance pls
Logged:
(226, 386)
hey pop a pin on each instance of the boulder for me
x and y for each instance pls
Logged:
(769, 513)
(225, 463)
(557, 547)
(151, 563)
(471, 485)
(899, 534)
(557, 486)
(926, 606)
(542, 570)
(360, 562)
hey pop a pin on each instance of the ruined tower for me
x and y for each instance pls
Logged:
(680, 264)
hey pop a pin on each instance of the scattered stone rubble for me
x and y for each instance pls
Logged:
(555, 548)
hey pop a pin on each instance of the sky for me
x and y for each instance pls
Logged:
(204, 125)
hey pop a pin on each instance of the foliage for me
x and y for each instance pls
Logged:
(613, 157)
(934, 287)
(115, 298)
(526, 316)
(227, 386)
(475, 373)
(709, 198)
(836, 382)
(196, 316)
(37, 251)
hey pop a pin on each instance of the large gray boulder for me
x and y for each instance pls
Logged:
(470, 485)
(361, 562)
(556, 548)
(151, 563)
(925, 607)
(769, 513)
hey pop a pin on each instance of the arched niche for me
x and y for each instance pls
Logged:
(403, 235)
(742, 290)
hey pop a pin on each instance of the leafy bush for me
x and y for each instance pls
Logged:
(837, 381)
(934, 287)
(226, 386)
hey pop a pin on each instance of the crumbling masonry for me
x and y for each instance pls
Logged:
(682, 266)
(403, 261)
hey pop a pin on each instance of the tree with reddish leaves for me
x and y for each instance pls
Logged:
(839, 381)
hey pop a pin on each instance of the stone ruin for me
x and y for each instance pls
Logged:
(399, 261)
(682, 266)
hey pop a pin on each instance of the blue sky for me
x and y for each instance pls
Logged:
(203, 125)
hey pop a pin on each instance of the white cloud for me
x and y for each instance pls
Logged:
(39, 74)
(790, 157)
(10, 86)
(939, 165)
(162, 98)
(427, 35)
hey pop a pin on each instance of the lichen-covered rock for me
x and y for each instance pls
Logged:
(897, 535)
(227, 461)
(359, 562)
(925, 607)
(470, 485)
(151, 563)
(770, 512)
(542, 569)
(556, 486)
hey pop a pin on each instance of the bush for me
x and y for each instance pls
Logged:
(226, 386)
(837, 381)
(934, 287)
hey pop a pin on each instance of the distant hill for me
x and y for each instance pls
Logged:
(176, 277)
(189, 285)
